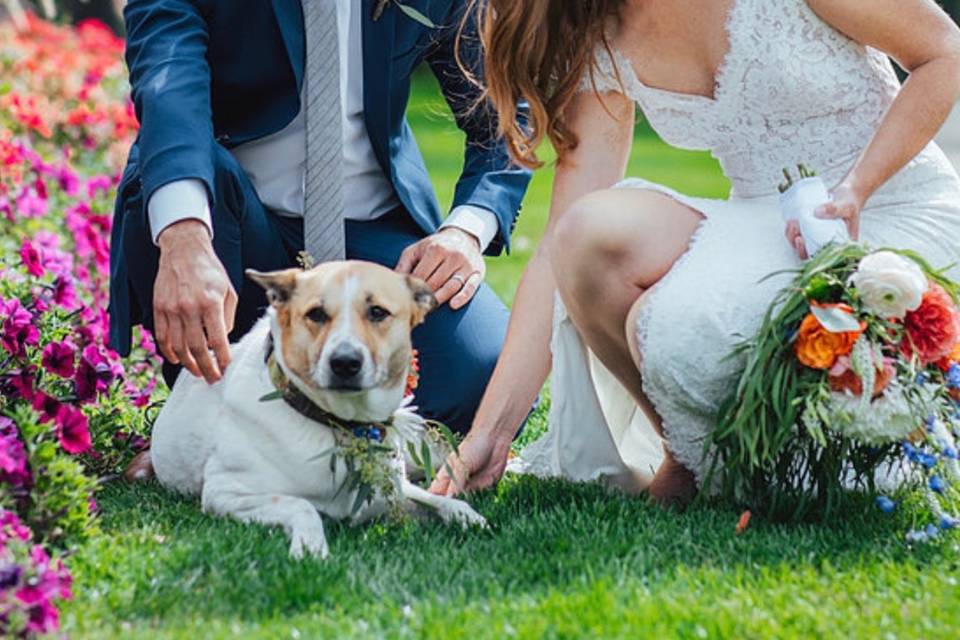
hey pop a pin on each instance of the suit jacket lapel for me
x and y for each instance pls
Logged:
(378, 41)
(290, 18)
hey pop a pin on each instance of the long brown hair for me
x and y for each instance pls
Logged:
(538, 52)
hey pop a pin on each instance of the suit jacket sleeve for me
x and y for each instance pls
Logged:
(490, 179)
(166, 55)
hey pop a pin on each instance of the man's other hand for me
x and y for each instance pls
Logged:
(451, 263)
(194, 303)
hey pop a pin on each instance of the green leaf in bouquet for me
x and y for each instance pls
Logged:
(416, 15)
(835, 319)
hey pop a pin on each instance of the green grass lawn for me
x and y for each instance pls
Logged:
(560, 560)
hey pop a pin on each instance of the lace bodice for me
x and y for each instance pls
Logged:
(791, 89)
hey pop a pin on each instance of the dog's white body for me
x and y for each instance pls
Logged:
(261, 461)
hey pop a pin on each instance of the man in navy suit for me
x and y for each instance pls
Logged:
(215, 180)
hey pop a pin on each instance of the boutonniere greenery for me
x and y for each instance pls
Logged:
(409, 11)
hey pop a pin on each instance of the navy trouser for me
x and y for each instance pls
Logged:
(458, 349)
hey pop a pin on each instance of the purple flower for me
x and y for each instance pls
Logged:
(73, 430)
(11, 528)
(10, 576)
(31, 205)
(19, 382)
(59, 358)
(64, 294)
(98, 183)
(95, 373)
(13, 457)
(18, 329)
(30, 256)
(47, 406)
(68, 180)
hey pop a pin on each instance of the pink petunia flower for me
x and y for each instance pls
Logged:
(64, 294)
(30, 256)
(18, 329)
(73, 430)
(60, 358)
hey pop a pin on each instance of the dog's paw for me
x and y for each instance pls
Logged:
(459, 512)
(306, 543)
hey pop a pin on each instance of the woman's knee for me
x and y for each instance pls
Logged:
(593, 226)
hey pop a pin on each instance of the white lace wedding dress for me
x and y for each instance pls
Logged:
(791, 90)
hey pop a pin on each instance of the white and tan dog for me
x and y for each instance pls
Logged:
(340, 335)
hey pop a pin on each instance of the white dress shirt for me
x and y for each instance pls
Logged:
(276, 164)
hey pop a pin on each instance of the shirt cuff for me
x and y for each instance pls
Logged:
(177, 201)
(479, 222)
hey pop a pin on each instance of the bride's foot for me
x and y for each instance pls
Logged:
(673, 485)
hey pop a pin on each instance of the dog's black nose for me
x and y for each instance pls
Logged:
(346, 363)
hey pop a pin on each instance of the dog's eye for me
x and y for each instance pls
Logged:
(377, 314)
(318, 315)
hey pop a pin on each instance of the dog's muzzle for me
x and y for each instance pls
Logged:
(345, 366)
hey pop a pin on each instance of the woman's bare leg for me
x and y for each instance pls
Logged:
(609, 248)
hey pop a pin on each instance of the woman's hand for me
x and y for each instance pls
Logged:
(480, 464)
(846, 204)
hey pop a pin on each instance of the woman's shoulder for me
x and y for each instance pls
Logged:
(610, 71)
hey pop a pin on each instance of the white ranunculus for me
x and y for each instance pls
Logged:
(890, 284)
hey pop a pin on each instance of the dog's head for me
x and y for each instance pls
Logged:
(342, 333)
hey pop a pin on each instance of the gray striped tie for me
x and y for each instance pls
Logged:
(323, 184)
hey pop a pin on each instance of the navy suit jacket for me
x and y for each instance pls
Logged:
(205, 72)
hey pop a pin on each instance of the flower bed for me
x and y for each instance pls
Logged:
(71, 411)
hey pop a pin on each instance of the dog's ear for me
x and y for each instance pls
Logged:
(279, 285)
(423, 299)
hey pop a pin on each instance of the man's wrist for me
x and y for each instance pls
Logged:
(464, 233)
(189, 228)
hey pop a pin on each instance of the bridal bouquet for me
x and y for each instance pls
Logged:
(853, 381)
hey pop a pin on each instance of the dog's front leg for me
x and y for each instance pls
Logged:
(299, 519)
(449, 509)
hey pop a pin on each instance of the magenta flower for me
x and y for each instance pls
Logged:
(47, 406)
(94, 374)
(59, 358)
(73, 430)
(98, 183)
(30, 256)
(11, 528)
(19, 382)
(68, 180)
(30, 205)
(64, 294)
(18, 329)
(13, 456)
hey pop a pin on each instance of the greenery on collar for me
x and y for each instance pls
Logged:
(374, 464)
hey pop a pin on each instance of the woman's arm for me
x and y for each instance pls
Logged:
(605, 131)
(926, 43)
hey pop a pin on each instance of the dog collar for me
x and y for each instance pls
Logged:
(298, 401)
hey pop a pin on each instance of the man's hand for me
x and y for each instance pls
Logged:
(451, 263)
(480, 464)
(193, 301)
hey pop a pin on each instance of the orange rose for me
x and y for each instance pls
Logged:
(818, 348)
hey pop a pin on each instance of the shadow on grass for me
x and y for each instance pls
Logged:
(162, 558)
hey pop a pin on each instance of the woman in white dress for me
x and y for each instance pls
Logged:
(657, 287)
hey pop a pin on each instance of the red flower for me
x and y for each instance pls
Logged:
(47, 406)
(73, 430)
(59, 358)
(932, 331)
